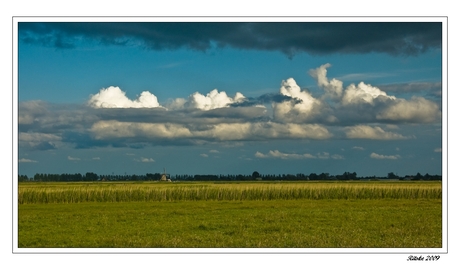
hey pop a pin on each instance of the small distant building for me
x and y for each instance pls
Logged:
(164, 177)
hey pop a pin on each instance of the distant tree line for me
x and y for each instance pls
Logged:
(346, 176)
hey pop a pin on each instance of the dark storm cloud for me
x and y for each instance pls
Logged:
(409, 38)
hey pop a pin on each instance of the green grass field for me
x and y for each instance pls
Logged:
(237, 215)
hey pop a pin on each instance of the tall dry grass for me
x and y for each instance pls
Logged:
(67, 193)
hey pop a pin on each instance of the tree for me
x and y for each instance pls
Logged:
(391, 175)
(255, 175)
(324, 176)
(354, 176)
(313, 176)
(90, 176)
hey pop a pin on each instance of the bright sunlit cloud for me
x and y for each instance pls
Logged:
(114, 97)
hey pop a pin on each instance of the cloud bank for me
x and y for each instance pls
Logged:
(110, 118)
(374, 133)
(145, 132)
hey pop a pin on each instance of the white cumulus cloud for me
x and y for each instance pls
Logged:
(374, 133)
(114, 97)
(363, 93)
(337, 157)
(415, 110)
(296, 156)
(278, 154)
(384, 157)
(212, 100)
(333, 88)
(374, 103)
(24, 160)
(177, 103)
(303, 106)
(147, 160)
(70, 158)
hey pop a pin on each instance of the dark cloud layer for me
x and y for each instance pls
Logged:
(395, 38)
(266, 99)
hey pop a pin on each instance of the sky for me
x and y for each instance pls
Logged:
(233, 97)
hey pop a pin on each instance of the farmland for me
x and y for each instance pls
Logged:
(249, 214)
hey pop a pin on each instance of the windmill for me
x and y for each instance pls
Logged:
(164, 176)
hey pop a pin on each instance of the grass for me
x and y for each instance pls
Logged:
(232, 224)
(244, 215)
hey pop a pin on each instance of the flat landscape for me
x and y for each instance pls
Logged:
(230, 215)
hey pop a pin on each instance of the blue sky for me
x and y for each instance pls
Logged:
(230, 98)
